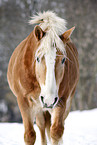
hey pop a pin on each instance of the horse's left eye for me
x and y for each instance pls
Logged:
(63, 60)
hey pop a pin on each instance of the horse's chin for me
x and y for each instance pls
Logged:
(47, 109)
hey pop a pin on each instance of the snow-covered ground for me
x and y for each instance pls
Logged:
(80, 129)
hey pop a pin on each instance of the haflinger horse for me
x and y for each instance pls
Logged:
(43, 73)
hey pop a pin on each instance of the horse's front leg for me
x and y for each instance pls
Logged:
(40, 121)
(26, 112)
(57, 127)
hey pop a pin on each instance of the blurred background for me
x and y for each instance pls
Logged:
(14, 27)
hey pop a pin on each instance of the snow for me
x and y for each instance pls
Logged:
(80, 129)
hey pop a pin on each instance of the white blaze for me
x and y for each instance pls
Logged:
(50, 74)
(49, 90)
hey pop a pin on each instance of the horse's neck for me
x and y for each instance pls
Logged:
(29, 50)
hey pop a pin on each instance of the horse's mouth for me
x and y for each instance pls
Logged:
(49, 107)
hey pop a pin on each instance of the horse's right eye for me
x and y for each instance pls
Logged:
(41, 20)
(38, 59)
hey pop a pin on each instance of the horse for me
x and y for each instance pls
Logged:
(43, 73)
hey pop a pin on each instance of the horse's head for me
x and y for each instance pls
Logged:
(50, 64)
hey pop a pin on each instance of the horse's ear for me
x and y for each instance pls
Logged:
(39, 33)
(66, 35)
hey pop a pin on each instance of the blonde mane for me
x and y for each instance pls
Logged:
(54, 26)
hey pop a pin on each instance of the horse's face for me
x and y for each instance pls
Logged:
(49, 73)
(50, 69)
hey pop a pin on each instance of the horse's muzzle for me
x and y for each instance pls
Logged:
(45, 105)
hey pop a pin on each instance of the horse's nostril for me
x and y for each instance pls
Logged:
(55, 100)
(42, 99)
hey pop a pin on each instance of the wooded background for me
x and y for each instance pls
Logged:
(14, 27)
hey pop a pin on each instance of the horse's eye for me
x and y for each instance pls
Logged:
(63, 60)
(41, 20)
(38, 59)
